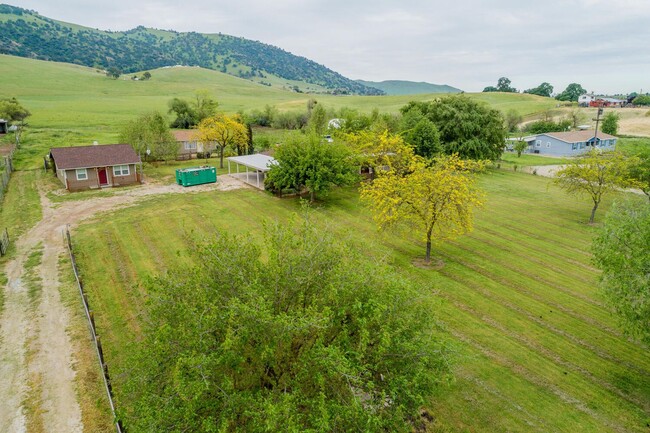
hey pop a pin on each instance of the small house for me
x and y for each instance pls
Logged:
(97, 166)
(569, 143)
(188, 145)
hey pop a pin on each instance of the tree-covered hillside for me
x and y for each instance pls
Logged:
(25, 33)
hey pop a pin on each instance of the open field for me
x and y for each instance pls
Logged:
(73, 97)
(537, 349)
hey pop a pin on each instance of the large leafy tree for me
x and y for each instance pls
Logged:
(571, 93)
(225, 132)
(12, 111)
(467, 127)
(190, 113)
(596, 174)
(312, 165)
(150, 132)
(622, 251)
(299, 334)
(435, 200)
(544, 89)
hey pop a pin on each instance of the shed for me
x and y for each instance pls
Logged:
(258, 163)
(96, 166)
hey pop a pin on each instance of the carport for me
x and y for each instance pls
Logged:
(258, 164)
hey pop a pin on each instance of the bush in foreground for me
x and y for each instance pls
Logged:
(301, 334)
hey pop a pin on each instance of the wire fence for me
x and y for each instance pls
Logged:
(7, 166)
(93, 330)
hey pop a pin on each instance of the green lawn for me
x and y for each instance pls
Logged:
(537, 349)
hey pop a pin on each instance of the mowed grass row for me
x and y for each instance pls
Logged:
(537, 349)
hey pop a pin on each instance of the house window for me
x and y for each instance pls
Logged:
(538, 143)
(120, 170)
(574, 146)
(82, 174)
(548, 144)
(190, 145)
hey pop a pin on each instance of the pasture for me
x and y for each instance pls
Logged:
(537, 350)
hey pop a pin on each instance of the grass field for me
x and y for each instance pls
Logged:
(69, 97)
(537, 349)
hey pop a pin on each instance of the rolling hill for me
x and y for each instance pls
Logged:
(400, 87)
(25, 33)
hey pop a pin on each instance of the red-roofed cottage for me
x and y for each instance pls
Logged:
(98, 166)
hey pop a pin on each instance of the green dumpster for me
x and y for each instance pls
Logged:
(196, 175)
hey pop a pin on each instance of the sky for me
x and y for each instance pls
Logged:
(469, 44)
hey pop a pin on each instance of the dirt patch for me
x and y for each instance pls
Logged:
(43, 329)
(435, 264)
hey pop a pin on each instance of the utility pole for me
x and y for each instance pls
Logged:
(597, 119)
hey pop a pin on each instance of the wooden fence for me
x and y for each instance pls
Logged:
(8, 167)
(93, 330)
(4, 242)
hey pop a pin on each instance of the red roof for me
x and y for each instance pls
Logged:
(103, 155)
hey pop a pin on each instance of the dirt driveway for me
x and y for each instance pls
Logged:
(36, 356)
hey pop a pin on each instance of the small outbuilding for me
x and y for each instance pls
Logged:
(97, 166)
(258, 164)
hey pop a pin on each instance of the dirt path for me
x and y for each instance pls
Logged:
(34, 342)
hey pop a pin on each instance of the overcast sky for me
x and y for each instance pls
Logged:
(469, 44)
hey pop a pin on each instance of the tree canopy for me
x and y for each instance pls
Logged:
(312, 165)
(150, 132)
(190, 113)
(622, 250)
(640, 169)
(297, 333)
(571, 93)
(436, 200)
(595, 174)
(13, 112)
(503, 85)
(467, 127)
(544, 89)
(225, 132)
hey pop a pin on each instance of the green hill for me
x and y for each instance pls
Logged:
(68, 96)
(25, 33)
(400, 87)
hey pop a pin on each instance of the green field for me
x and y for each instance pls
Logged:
(79, 98)
(537, 349)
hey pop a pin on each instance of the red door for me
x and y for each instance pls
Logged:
(103, 177)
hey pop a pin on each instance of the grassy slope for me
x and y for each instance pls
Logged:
(68, 96)
(538, 351)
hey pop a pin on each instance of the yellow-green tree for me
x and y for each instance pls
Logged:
(381, 152)
(596, 174)
(224, 131)
(436, 199)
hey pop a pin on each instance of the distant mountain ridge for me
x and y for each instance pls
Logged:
(401, 87)
(25, 33)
